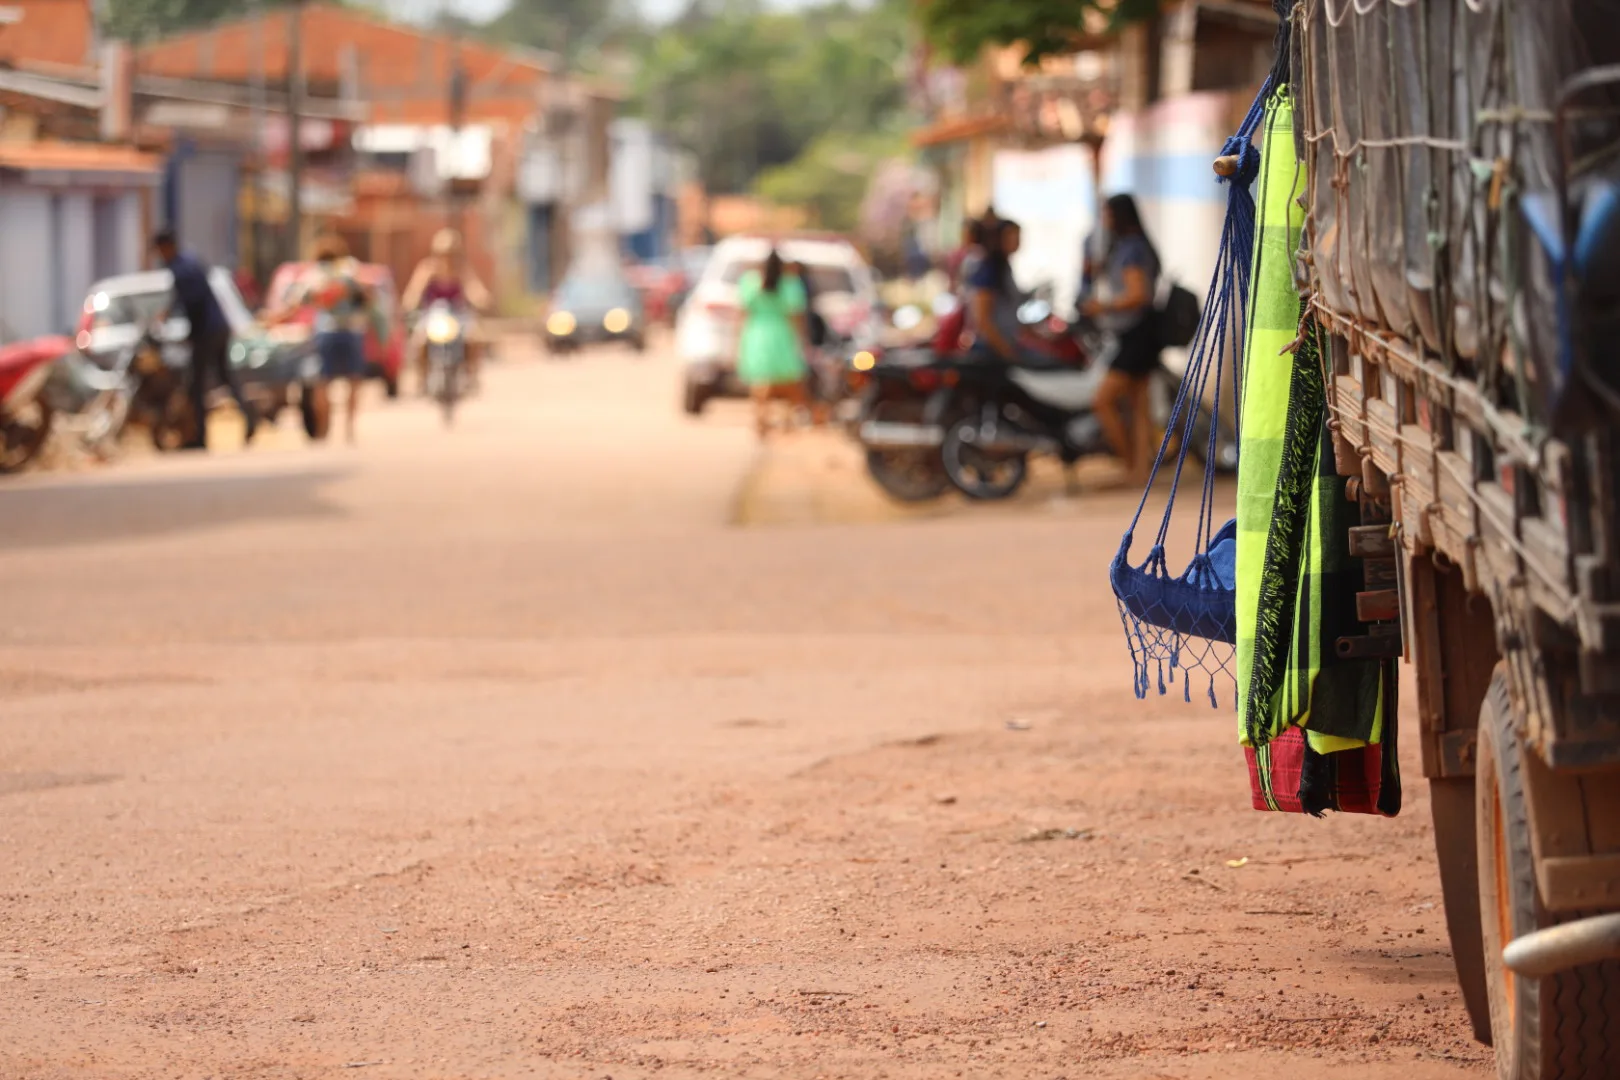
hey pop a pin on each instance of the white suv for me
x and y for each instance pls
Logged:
(706, 329)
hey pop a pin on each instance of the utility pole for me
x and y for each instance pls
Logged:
(457, 112)
(295, 143)
(258, 263)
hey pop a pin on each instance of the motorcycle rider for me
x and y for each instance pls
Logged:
(443, 276)
(209, 337)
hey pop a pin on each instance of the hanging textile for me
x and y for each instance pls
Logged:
(1178, 623)
(1319, 731)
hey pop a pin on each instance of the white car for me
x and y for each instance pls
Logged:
(706, 328)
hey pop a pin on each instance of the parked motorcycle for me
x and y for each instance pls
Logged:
(446, 334)
(25, 412)
(931, 421)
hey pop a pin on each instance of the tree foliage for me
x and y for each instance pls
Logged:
(143, 20)
(573, 27)
(749, 89)
(830, 178)
(962, 29)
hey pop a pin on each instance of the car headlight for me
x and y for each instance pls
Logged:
(616, 321)
(443, 328)
(561, 323)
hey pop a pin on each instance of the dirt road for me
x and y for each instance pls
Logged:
(502, 752)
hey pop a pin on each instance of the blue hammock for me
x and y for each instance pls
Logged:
(1178, 623)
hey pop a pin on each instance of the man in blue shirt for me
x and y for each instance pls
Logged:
(210, 336)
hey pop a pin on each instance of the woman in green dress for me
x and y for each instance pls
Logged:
(770, 358)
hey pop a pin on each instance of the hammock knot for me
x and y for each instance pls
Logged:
(1248, 155)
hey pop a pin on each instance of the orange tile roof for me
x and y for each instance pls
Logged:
(77, 157)
(395, 61)
(50, 32)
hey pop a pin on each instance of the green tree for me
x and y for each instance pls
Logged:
(830, 178)
(146, 19)
(574, 26)
(961, 29)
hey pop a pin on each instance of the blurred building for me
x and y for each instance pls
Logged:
(1142, 111)
(436, 130)
(75, 200)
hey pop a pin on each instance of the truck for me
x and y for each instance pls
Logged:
(1461, 262)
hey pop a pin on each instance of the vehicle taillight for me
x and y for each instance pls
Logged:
(925, 379)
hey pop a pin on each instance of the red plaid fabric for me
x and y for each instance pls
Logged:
(1275, 771)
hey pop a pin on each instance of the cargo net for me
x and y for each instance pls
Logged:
(1464, 164)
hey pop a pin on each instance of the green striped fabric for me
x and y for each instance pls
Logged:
(1296, 581)
(1280, 418)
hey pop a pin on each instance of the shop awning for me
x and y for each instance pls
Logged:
(66, 163)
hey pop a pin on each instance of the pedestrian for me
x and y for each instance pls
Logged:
(994, 297)
(824, 370)
(209, 336)
(1121, 302)
(961, 261)
(342, 314)
(770, 353)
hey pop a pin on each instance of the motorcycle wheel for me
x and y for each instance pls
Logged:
(174, 425)
(23, 435)
(976, 473)
(317, 419)
(906, 475)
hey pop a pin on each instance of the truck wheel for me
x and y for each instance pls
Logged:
(1559, 1026)
(1451, 800)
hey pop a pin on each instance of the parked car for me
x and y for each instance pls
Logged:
(118, 316)
(706, 329)
(595, 305)
(385, 356)
(118, 310)
(660, 283)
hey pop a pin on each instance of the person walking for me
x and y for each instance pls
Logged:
(770, 354)
(1120, 300)
(825, 371)
(209, 337)
(342, 313)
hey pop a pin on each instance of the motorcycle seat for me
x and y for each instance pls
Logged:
(1066, 388)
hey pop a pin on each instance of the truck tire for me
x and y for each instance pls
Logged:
(1451, 801)
(1553, 1028)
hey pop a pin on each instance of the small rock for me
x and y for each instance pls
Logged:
(945, 800)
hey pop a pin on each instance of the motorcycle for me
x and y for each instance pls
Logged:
(446, 334)
(25, 412)
(931, 421)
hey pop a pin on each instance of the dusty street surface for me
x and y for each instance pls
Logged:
(502, 752)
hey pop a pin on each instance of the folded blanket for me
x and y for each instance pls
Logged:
(1297, 583)
(1282, 406)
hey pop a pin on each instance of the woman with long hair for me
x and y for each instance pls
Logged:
(1120, 301)
(770, 353)
(993, 293)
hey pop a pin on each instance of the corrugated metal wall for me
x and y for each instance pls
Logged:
(25, 292)
(208, 183)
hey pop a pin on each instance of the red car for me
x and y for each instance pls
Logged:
(661, 285)
(385, 358)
